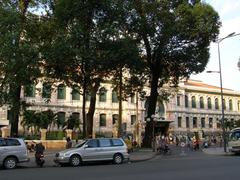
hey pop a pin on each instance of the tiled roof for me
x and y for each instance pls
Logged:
(197, 83)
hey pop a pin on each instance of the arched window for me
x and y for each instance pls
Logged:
(161, 109)
(46, 90)
(193, 102)
(102, 120)
(114, 96)
(75, 93)
(201, 102)
(102, 95)
(216, 103)
(224, 104)
(76, 115)
(61, 119)
(88, 96)
(178, 100)
(195, 122)
(30, 90)
(133, 98)
(61, 91)
(202, 122)
(114, 119)
(230, 105)
(133, 119)
(186, 101)
(209, 102)
(210, 122)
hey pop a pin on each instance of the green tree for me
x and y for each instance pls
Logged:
(28, 120)
(79, 46)
(127, 72)
(72, 122)
(174, 37)
(19, 55)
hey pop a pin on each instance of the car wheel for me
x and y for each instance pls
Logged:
(117, 159)
(10, 163)
(75, 160)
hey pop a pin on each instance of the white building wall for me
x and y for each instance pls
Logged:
(172, 110)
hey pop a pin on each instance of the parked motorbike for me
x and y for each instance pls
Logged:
(164, 150)
(39, 159)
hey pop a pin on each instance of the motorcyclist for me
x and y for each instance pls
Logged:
(39, 150)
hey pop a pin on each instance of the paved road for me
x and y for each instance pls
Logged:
(193, 165)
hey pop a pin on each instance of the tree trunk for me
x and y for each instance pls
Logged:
(91, 110)
(16, 92)
(84, 107)
(149, 129)
(120, 105)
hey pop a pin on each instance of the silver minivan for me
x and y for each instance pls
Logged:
(12, 151)
(99, 149)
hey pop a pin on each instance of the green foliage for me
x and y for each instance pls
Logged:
(31, 137)
(72, 123)
(91, 41)
(19, 53)
(55, 135)
(77, 135)
(37, 120)
(174, 37)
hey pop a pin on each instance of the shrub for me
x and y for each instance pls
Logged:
(55, 135)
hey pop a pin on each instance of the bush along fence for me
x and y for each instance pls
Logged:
(51, 140)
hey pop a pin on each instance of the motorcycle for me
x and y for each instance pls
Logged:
(164, 150)
(39, 159)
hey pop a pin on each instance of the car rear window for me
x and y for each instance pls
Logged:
(117, 142)
(104, 142)
(13, 142)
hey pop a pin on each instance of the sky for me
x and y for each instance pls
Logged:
(229, 12)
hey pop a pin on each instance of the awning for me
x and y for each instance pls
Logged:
(162, 123)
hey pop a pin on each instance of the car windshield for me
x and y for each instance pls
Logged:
(80, 144)
(234, 136)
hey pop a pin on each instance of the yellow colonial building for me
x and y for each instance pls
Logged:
(195, 107)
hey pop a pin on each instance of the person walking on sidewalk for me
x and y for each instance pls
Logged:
(69, 143)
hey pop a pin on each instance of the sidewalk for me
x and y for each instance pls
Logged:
(142, 154)
(216, 151)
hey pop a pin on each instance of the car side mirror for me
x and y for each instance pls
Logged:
(85, 146)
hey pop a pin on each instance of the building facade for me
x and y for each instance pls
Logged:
(196, 107)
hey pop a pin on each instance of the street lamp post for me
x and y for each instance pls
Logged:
(221, 87)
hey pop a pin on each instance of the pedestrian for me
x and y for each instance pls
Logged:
(221, 142)
(69, 143)
(214, 140)
(177, 141)
(188, 142)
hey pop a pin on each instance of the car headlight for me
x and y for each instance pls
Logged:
(66, 154)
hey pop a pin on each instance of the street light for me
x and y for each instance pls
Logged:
(220, 75)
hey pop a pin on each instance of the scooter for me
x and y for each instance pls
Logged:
(39, 159)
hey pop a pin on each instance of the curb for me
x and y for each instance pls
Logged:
(217, 153)
(144, 159)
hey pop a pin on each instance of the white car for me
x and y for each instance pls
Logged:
(12, 151)
(100, 149)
